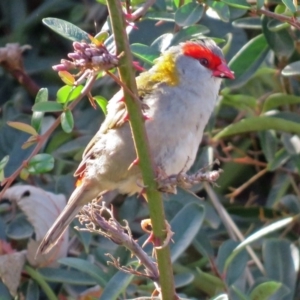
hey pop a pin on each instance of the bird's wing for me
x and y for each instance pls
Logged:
(116, 117)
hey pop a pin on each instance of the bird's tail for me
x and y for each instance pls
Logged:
(81, 195)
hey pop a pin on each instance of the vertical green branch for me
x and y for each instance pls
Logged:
(154, 197)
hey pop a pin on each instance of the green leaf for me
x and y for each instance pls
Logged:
(183, 279)
(102, 102)
(280, 42)
(191, 32)
(279, 258)
(236, 267)
(265, 290)
(19, 228)
(221, 9)
(292, 69)
(291, 143)
(66, 276)
(160, 16)
(248, 23)
(257, 124)
(36, 119)
(67, 121)
(32, 291)
(260, 4)
(145, 53)
(257, 235)
(246, 62)
(186, 225)
(101, 36)
(86, 267)
(220, 297)
(189, 14)
(269, 143)
(281, 157)
(116, 286)
(241, 4)
(40, 163)
(68, 93)
(241, 101)
(276, 100)
(49, 106)
(290, 5)
(23, 127)
(276, 25)
(67, 77)
(66, 29)
(3, 162)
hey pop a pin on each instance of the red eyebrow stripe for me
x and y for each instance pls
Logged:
(199, 51)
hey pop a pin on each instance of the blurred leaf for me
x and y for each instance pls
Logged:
(236, 267)
(259, 123)
(101, 36)
(116, 286)
(3, 162)
(86, 267)
(186, 224)
(36, 119)
(32, 292)
(279, 99)
(189, 14)
(160, 16)
(246, 62)
(68, 93)
(145, 53)
(280, 42)
(276, 25)
(279, 188)
(191, 32)
(257, 235)
(281, 157)
(290, 5)
(241, 102)
(292, 69)
(220, 8)
(66, 29)
(66, 276)
(102, 102)
(248, 23)
(291, 143)
(184, 279)
(23, 127)
(264, 290)
(269, 144)
(241, 4)
(279, 262)
(67, 121)
(19, 228)
(67, 77)
(40, 163)
(49, 106)
(220, 297)
(208, 283)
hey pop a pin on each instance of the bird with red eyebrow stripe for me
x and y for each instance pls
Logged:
(179, 93)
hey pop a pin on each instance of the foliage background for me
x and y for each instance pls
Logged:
(253, 132)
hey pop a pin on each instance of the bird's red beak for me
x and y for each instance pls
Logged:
(223, 71)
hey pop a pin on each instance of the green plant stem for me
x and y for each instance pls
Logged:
(154, 197)
(35, 275)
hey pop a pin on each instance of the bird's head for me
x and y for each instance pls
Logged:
(190, 62)
(208, 56)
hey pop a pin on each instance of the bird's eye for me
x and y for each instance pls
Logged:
(203, 62)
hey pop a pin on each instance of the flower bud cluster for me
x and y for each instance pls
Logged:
(88, 56)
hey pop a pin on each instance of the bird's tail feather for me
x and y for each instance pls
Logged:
(81, 195)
